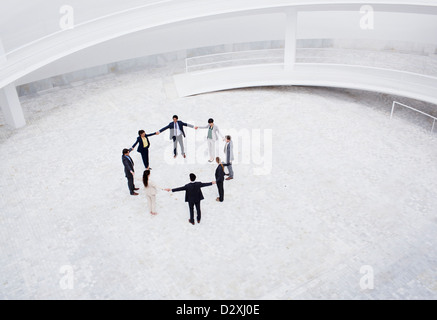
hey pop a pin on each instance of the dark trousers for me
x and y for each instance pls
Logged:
(199, 214)
(221, 191)
(130, 183)
(145, 156)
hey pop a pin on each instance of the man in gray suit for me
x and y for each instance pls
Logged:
(177, 134)
(229, 153)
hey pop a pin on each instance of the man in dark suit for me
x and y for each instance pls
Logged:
(177, 134)
(129, 171)
(143, 146)
(220, 178)
(193, 195)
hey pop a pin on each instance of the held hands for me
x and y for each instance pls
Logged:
(168, 190)
(195, 128)
(214, 182)
(157, 133)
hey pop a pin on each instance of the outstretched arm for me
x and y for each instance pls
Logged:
(135, 144)
(154, 185)
(220, 134)
(151, 134)
(179, 189)
(187, 125)
(163, 129)
(207, 184)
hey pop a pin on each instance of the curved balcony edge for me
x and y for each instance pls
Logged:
(406, 84)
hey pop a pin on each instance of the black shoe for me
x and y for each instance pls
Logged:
(136, 189)
(192, 222)
(134, 194)
(198, 221)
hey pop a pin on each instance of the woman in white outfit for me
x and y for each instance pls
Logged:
(151, 191)
(212, 137)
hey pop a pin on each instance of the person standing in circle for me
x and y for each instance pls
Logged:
(193, 195)
(129, 171)
(143, 146)
(151, 191)
(220, 178)
(229, 153)
(177, 134)
(212, 137)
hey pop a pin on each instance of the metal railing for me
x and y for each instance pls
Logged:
(218, 59)
(325, 56)
(411, 108)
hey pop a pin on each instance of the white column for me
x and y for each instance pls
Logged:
(11, 106)
(290, 39)
(2, 53)
(9, 101)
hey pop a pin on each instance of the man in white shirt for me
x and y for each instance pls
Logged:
(212, 137)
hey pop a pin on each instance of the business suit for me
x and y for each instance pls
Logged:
(151, 191)
(212, 136)
(177, 134)
(220, 178)
(229, 153)
(128, 167)
(143, 149)
(193, 195)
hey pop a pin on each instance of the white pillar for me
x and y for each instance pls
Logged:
(9, 101)
(2, 53)
(11, 106)
(290, 39)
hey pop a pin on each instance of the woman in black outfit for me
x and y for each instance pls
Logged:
(143, 146)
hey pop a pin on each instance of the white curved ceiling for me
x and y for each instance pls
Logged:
(32, 37)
